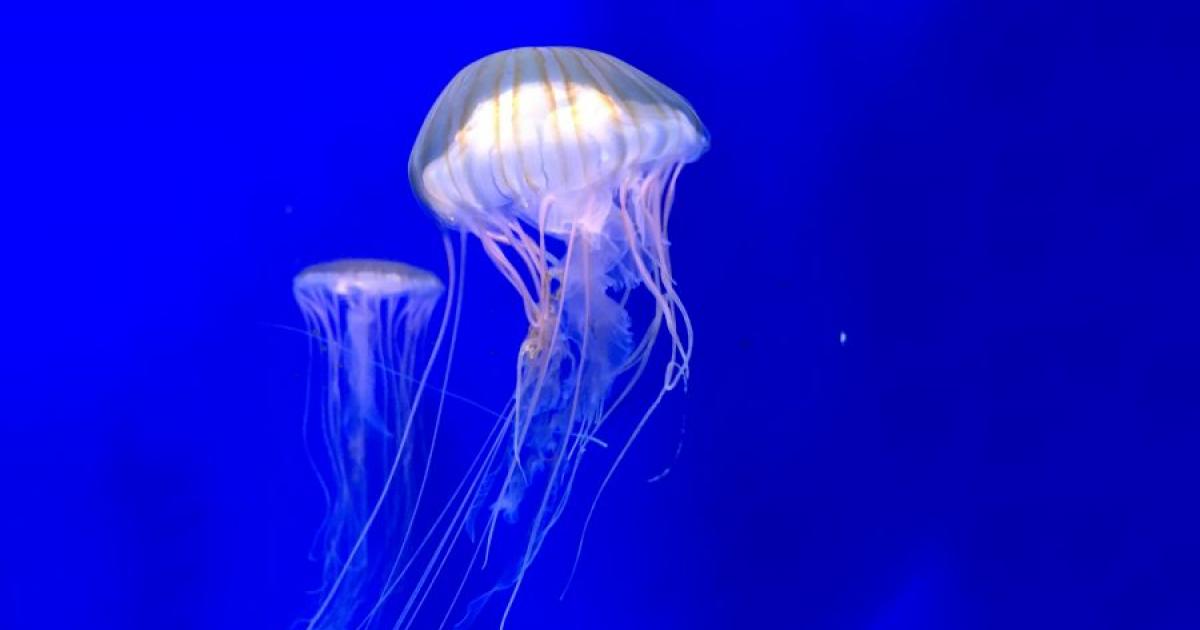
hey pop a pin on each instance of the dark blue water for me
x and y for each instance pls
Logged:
(994, 204)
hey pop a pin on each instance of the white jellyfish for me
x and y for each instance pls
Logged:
(563, 163)
(369, 317)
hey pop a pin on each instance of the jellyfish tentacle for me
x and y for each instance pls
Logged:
(310, 323)
(360, 541)
(457, 298)
(442, 554)
(538, 532)
(651, 284)
(587, 521)
(474, 472)
(664, 263)
(573, 148)
(667, 305)
(509, 272)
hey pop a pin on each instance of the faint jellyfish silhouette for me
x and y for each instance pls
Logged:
(563, 163)
(369, 317)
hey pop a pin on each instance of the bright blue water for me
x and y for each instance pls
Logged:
(989, 202)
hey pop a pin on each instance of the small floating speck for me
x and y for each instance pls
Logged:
(842, 337)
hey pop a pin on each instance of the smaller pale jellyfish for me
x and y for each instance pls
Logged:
(563, 163)
(369, 316)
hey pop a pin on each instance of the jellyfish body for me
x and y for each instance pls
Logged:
(563, 163)
(368, 316)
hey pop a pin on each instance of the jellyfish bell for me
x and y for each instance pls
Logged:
(358, 302)
(368, 278)
(370, 317)
(549, 135)
(563, 163)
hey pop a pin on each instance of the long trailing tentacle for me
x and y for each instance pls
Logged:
(403, 441)
(538, 532)
(437, 419)
(571, 418)
(667, 303)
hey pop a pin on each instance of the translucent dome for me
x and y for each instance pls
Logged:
(523, 124)
(367, 276)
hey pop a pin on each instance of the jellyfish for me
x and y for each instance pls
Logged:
(370, 317)
(563, 163)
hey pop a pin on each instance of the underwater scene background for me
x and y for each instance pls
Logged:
(940, 261)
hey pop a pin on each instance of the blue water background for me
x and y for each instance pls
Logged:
(994, 202)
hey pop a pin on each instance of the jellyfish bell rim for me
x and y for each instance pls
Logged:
(367, 276)
(451, 215)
